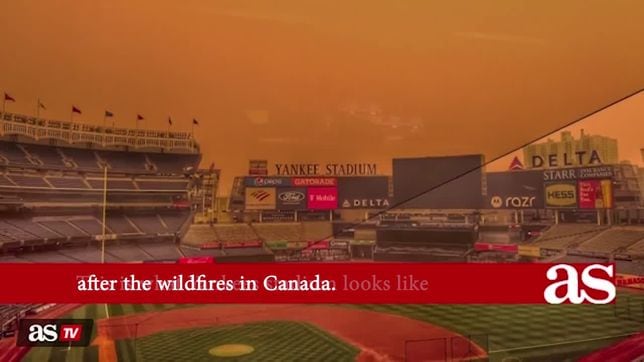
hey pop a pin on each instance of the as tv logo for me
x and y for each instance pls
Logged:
(596, 280)
(54, 332)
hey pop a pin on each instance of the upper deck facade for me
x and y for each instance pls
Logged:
(73, 133)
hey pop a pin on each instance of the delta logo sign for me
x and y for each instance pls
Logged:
(54, 332)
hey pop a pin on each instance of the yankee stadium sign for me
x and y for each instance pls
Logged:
(329, 169)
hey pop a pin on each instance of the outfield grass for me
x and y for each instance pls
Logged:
(533, 332)
(273, 341)
(528, 332)
(91, 311)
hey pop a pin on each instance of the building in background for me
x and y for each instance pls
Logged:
(626, 185)
(640, 179)
(587, 150)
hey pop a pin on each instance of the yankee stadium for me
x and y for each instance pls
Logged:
(75, 193)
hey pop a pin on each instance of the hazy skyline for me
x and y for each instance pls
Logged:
(332, 81)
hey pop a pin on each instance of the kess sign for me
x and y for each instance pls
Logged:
(54, 332)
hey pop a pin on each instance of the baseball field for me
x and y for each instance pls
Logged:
(169, 332)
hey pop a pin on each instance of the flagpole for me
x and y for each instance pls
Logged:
(4, 101)
(38, 108)
(104, 213)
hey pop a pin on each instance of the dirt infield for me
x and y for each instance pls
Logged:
(379, 336)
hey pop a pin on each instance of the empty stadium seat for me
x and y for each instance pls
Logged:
(112, 184)
(13, 154)
(235, 232)
(49, 156)
(125, 161)
(199, 234)
(172, 164)
(612, 240)
(28, 180)
(279, 231)
(120, 225)
(84, 159)
(67, 182)
(90, 226)
(63, 228)
(148, 224)
(562, 236)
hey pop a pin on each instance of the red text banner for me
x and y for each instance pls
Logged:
(308, 283)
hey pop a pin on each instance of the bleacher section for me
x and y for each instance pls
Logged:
(13, 155)
(148, 224)
(562, 236)
(40, 156)
(28, 180)
(17, 233)
(279, 231)
(636, 249)
(67, 182)
(172, 165)
(48, 156)
(51, 196)
(85, 160)
(200, 234)
(16, 182)
(235, 232)
(119, 224)
(135, 162)
(612, 240)
(316, 230)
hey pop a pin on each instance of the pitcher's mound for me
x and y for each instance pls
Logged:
(231, 350)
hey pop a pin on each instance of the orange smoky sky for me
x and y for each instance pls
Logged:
(340, 81)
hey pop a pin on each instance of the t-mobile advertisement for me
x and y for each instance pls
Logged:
(322, 198)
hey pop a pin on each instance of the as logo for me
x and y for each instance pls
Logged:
(568, 288)
(54, 332)
(496, 202)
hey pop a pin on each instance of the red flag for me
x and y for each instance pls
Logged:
(76, 110)
(8, 97)
(139, 117)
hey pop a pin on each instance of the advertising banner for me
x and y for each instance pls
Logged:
(291, 198)
(260, 198)
(307, 283)
(363, 192)
(322, 198)
(529, 250)
(515, 190)
(629, 281)
(595, 194)
(561, 195)
(314, 181)
(506, 248)
(578, 173)
(267, 181)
